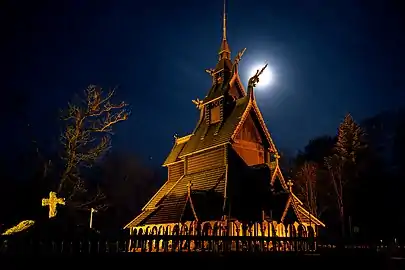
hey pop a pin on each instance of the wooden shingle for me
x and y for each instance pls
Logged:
(171, 207)
(225, 132)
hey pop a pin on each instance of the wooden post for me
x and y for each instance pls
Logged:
(92, 210)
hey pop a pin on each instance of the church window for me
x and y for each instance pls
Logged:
(215, 115)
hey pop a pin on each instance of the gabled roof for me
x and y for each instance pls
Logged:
(170, 208)
(230, 127)
(225, 132)
(253, 105)
(144, 214)
(302, 214)
(176, 150)
(159, 195)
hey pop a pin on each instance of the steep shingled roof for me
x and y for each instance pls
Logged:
(301, 213)
(174, 153)
(171, 207)
(223, 136)
(219, 89)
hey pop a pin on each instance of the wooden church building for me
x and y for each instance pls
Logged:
(224, 178)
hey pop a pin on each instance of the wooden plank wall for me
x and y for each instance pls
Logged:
(176, 171)
(249, 143)
(206, 160)
(250, 131)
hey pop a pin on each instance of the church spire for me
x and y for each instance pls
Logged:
(224, 23)
(224, 51)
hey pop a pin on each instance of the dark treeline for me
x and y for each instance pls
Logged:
(372, 185)
(124, 179)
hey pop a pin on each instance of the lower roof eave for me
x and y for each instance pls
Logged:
(203, 150)
(138, 219)
(172, 163)
(311, 217)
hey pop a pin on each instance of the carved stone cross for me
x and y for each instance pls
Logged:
(52, 202)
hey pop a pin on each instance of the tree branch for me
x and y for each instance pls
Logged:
(87, 137)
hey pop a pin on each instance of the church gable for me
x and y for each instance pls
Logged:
(250, 141)
(209, 135)
(250, 131)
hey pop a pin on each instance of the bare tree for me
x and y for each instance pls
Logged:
(306, 180)
(85, 139)
(335, 167)
(341, 164)
(309, 189)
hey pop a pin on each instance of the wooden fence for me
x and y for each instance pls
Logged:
(158, 243)
(179, 244)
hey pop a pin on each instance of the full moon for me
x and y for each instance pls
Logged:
(266, 78)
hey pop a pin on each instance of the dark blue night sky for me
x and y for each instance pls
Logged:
(329, 58)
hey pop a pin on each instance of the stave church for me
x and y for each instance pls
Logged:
(224, 178)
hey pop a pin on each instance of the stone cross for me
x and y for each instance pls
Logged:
(52, 202)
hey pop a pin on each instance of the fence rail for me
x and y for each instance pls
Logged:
(159, 243)
(177, 244)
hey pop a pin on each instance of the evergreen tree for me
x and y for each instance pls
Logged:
(342, 164)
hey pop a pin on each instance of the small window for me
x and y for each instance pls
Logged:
(215, 115)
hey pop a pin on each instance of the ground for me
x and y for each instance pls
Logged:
(288, 261)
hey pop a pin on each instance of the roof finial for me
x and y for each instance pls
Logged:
(290, 184)
(224, 23)
(224, 51)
